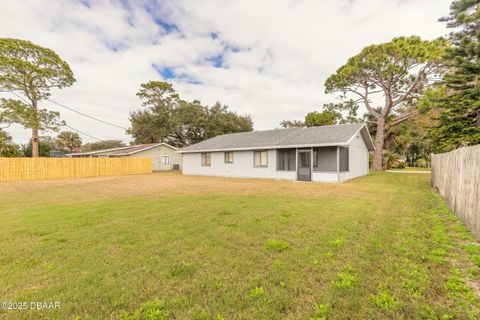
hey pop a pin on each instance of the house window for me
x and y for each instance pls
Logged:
(286, 159)
(228, 157)
(325, 159)
(260, 158)
(206, 159)
(165, 160)
(343, 159)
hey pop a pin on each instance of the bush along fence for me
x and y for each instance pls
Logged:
(17, 169)
(456, 174)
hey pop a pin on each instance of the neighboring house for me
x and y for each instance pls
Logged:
(163, 155)
(328, 153)
(57, 154)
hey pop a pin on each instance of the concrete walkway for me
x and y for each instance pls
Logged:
(408, 171)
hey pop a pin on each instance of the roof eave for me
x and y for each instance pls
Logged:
(370, 141)
(341, 144)
(151, 147)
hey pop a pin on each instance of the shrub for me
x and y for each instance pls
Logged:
(392, 160)
(422, 163)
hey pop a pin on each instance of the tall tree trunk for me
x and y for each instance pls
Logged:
(35, 152)
(379, 141)
(35, 139)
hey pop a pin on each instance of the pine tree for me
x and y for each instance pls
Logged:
(459, 123)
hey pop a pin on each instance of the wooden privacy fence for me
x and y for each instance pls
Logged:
(456, 174)
(16, 169)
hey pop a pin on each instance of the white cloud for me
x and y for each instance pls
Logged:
(276, 54)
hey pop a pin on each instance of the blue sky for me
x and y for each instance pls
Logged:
(266, 58)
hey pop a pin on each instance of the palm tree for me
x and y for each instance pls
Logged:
(68, 141)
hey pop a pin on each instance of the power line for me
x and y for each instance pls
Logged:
(21, 98)
(73, 110)
(86, 115)
(72, 128)
(85, 134)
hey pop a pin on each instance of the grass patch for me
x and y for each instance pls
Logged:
(217, 248)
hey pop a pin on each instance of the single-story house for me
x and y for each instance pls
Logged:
(328, 153)
(164, 156)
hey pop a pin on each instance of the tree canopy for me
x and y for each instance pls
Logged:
(387, 77)
(45, 145)
(459, 120)
(68, 141)
(168, 118)
(30, 71)
(100, 145)
(7, 147)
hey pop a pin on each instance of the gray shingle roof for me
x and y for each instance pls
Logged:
(282, 138)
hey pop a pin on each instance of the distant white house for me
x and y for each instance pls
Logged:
(327, 153)
(164, 156)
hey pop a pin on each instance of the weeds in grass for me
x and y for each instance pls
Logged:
(416, 281)
(277, 262)
(455, 284)
(386, 301)
(201, 315)
(473, 251)
(277, 245)
(256, 292)
(182, 270)
(337, 242)
(437, 256)
(321, 311)
(153, 310)
(345, 279)
(474, 273)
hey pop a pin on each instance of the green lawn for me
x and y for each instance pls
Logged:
(413, 169)
(383, 246)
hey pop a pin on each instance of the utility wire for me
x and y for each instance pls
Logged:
(86, 115)
(73, 110)
(81, 132)
(85, 134)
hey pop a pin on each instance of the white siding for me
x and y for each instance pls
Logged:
(357, 157)
(242, 166)
(324, 176)
(156, 155)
